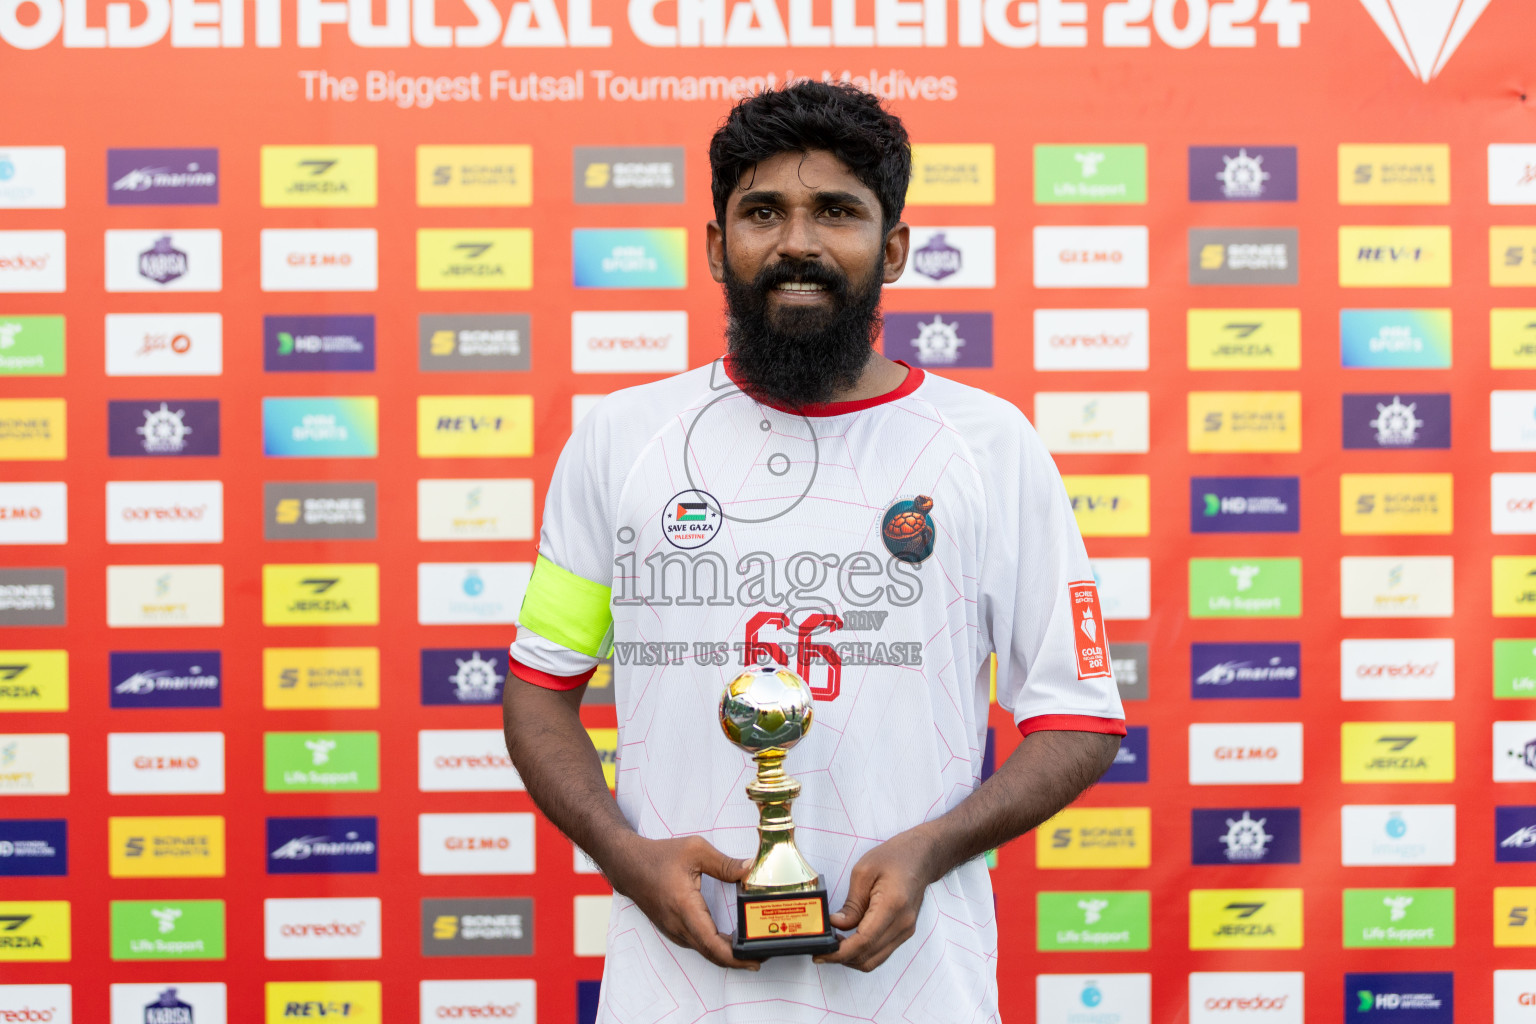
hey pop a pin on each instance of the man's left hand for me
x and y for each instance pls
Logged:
(884, 895)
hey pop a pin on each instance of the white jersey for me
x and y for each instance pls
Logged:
(884, 549)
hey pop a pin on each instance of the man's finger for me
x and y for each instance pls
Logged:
(855, 904)
(880, 949)
(870, 929)
(710, 944)
(717, 864)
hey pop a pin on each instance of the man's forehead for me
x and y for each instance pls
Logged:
(797, 173)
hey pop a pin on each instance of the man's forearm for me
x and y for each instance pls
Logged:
(1046, 772)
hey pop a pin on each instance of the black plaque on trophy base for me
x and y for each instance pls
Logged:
(780, 924)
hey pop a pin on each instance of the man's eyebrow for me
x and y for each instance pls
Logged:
(767, 197)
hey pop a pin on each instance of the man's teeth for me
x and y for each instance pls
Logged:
(800, 286)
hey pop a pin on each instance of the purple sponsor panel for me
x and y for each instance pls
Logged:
(1397, 420)
(1514, 834)
(463, 676)
(939, 340)
(318, 343)
(162, 177)
(1245, 835)
(166, 679)
(1131, 759)
(160, 427)
(1257, 671)
(1244, 504)
(1242, 174)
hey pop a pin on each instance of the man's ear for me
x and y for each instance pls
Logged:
(897, 242)
(714, 249)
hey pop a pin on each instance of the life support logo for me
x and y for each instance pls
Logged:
(691, 519)
(1092, 648)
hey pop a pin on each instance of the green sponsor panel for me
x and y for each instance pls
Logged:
(1092, 920)
(167, 929)
(1244, 588)
(1389, 918)
(1090, 174)
(31, 346)
(1514, 669)
(329, 762)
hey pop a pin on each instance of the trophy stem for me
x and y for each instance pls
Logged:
(779, 867)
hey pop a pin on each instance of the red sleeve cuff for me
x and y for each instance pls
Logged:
(548, 680)
(1072, 723)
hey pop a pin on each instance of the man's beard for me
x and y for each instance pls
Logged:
(798, 356)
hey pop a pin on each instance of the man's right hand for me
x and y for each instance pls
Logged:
(663, 878)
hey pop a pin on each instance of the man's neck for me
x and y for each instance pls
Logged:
(880, 376)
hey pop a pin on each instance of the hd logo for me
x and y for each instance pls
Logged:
(467, 259)
(1096, 837)
(320, 595)
(319, 176)
(1398, 751)
(1245, 919)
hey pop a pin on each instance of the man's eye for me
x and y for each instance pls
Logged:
(761, 213)
(836, 211)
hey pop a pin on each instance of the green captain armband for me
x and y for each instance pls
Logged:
(568, 610)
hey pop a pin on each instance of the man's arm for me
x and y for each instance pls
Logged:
(1046, 772)
(559, 767)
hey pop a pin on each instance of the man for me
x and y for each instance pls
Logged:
(879, 530)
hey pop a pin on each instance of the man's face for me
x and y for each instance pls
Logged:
(802, 256)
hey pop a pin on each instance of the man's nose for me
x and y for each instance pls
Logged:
(800, 240)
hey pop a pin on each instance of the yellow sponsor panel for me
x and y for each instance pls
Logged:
(474, 259)
(33, 931)
(1245, 919)
(324, 594)
(31, 429)
(1374, 504)
(1514, 916)
(1514, 585)
(1096, 837)
(949, 174)
(1395, 257)
(1418, 175)
(167, 847)
(474, 175)
(474, 426)
(352, 1002)
(1512, 339)
(1398, 751)
(320, 677)
(1512, 257)
(34, 681)
(1111, 506)
(606, 743)
(1245, 421)
(319, 176)
(1244, 339)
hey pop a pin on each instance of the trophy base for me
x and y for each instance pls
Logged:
(770, 925)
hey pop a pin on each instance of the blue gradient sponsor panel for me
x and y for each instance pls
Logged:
(630, 257)
(320, 427)
(1397, 339)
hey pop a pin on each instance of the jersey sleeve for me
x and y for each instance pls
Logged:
(565, 626)
(1039, 601)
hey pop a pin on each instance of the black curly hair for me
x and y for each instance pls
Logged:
(832, 116)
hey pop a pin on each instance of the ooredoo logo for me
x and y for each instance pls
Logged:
(323, 929)
(1271, 997)
(463, 760)
(499, 1000)
(165, 512)
(639, 342)
(35, 1004)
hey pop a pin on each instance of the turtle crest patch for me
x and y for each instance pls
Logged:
(907, 529)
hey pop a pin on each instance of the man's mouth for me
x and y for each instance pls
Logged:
(800, 286)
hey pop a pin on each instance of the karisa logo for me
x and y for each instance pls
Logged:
(162, 262)
(1425, 33)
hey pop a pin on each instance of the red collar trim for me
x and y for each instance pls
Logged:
(911, 383)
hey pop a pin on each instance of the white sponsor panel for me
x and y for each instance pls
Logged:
(1385, 834)
(165, 260)
(323, 929)
(581, 405)
(591, 915)
(629, 342)
(165, 344)
(1514, 997)
(950, 258)
(1092, 339)
(35, 513)
(452, 593)
(1273, 997)
(1398, 669)
(474, 509)
(165, 762)
(1514, 502)
(503, 999)
(1245, 753)
(31, 177)
(165, 511)
(208, 1002)
(1512, 421)
(319, 260)
(31, 261)
(476, 844)
(1409, 587)
(463, 761)
(1076, 998)
(1090, 257)
(165, 595)
(38, 1004)
(34, 764)
(1125, 587)
(1512, 182)
(1098, 422)
(1514, 751)
(583, 864)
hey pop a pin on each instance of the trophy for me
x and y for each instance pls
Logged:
(781, 906)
